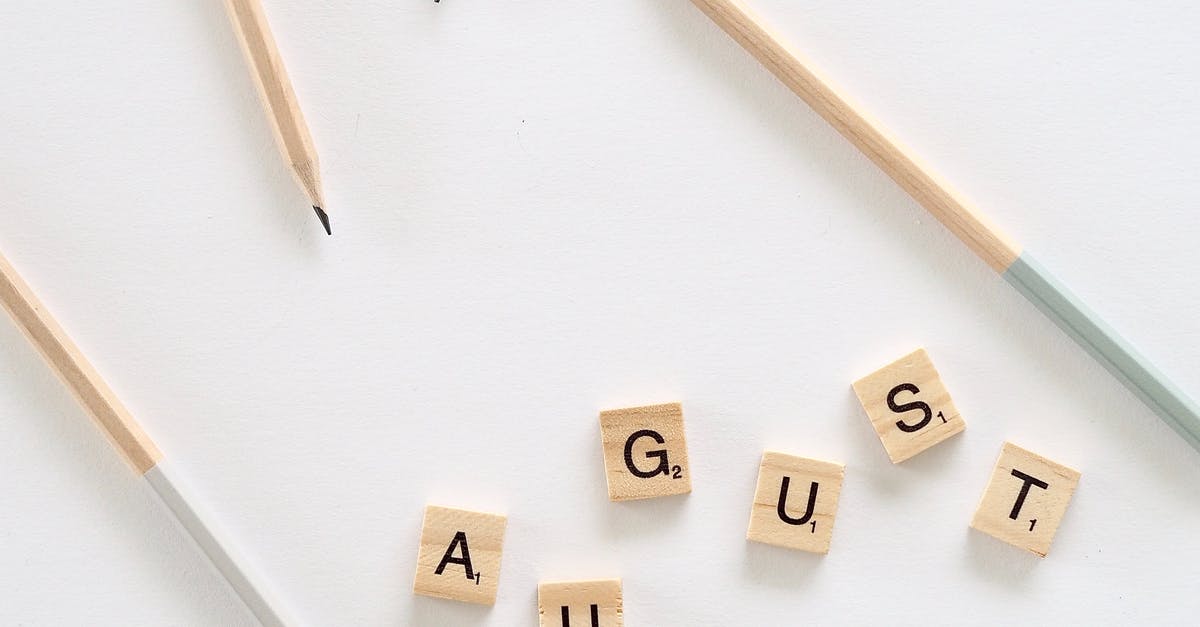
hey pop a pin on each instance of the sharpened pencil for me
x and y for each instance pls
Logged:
(279, 100)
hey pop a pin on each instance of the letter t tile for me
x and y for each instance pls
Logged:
(1025, 499)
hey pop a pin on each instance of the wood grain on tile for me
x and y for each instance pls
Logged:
(909, 406)
(795, 502)
(645, 452)
(1025, 499)
(460, 552)
(594, 603)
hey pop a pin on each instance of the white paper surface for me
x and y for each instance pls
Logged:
(545, 209)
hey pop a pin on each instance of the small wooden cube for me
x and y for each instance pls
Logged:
(580, 603)
(795, 502)
(645, 452)
(1025, 500)
(459, 558)
(909, 406)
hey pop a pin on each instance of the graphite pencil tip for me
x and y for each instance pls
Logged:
(324, 219)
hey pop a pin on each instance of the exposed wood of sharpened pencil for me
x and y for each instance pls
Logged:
(79, 375)
(279, 100)
(923, 185)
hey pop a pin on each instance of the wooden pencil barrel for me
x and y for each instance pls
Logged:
(75, 370)
(921, 183)
(278, 97)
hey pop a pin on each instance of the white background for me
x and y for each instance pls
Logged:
(544, 209)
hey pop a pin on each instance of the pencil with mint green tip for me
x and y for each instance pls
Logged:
(1017, 267)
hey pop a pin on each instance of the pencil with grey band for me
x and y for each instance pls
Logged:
(279, 99)
(1017, 267)
(127, 436)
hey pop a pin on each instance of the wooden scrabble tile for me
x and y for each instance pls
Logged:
(1025, 499)
(908, 406)
(645, 452)
(580, 604)
(795, 502)
(459, 558)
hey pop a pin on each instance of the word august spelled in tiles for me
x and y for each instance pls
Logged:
(795, 502)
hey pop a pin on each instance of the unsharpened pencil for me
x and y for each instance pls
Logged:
(127, 436)
(279, 100)
(1017, 267)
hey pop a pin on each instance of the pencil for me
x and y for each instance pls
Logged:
(279, 100)
(127, 436)
(1004, 256)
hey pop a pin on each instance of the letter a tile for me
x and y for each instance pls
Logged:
(582, 603)
(1025, 499)
(645, 452)
(795, 503)
(908, 406)
(459, 558)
